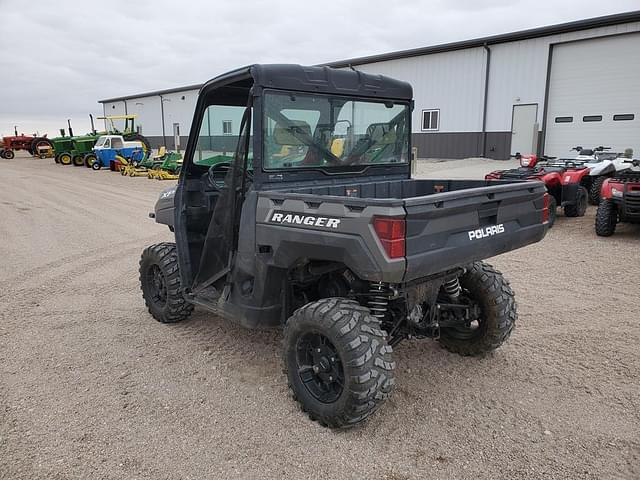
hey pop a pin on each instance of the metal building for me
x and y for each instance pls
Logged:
(540, 90)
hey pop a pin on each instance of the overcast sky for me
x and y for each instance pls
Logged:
(57, 58)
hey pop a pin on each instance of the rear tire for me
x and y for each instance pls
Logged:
(146, 146)
(78, 161)
(89, 159)
(498, 313)
(65, 158)
(338, 361)
(39, 142)
(579, 206)
(606, 218)
(56, 158)
(160, 284)
(594, 190)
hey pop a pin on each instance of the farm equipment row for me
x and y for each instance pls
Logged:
(83, 150)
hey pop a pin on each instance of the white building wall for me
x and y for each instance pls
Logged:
(452, 82)
(518, 72)
(149, 114)
(517, 75)
(179, 108)
(111, 108)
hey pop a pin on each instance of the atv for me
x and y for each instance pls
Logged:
(620, 201)
(318, 228)
(601, 165)
(564, 183)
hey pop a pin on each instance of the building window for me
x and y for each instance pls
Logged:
(430, 119)
(623, 116)
(564, 119)
(226, 127)
(592, 118)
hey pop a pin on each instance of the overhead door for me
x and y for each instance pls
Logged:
(594, 95)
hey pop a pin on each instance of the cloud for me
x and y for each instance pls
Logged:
(59, 58)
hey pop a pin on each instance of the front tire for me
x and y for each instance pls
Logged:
(579, 206)
(338, 361)
(9, 154)
(594, 190)
(78, 161)
(606, 218)
(553, 210)
(498, 313)
(160, 284)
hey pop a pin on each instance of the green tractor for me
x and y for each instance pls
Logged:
(62, 145)
(72, 150)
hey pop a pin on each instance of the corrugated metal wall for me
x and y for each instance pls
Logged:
(452, 82)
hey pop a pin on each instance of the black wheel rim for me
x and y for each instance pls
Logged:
(319, 367)
(157, 286)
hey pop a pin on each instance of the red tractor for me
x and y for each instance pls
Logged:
(35, 145)
(620, 201)
(563, 182)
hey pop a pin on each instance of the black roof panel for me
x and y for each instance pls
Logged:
(323, 79)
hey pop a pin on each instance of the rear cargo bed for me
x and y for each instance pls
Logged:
(449, 223)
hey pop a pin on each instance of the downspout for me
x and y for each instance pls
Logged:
(486, 99)
(164, 135)
(125, 108)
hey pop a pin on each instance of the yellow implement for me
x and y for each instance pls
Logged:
(128, 169)
(159, 174)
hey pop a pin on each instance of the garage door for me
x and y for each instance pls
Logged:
(594, 95)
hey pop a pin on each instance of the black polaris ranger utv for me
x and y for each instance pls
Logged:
(316, 226)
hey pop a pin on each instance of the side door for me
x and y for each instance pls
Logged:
(524, 129)
(227, 178)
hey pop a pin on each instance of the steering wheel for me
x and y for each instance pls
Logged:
(217, 174)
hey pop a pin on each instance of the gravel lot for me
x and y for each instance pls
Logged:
(92, 387)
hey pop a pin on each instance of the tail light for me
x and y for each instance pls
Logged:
(391, 232)
(545, 208)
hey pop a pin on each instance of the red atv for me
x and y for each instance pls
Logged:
(31, 144)
(563, 182)
(620, 201)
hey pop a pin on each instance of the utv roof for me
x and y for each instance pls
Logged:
(320, 79)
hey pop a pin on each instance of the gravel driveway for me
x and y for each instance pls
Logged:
(92, 387)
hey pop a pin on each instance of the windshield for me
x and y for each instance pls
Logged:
(323, 131)
(101, 141)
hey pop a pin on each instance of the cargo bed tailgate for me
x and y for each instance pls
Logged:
(455, 228)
